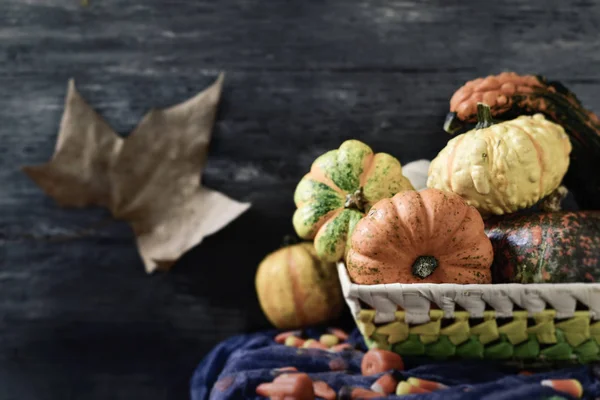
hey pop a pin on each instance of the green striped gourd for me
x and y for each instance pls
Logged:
(340, 188)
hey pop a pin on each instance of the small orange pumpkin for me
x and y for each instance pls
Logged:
(431, 236)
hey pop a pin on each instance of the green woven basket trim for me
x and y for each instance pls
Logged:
(396, 332)
(544, 332)
(378, 341)
(529, 349)
(412, 346)
(369, 342)
(487, 331)
(461, 316)
(435, 315)
(367, 329)
(499, 351)
(588, 359)
(400, 315)
(560, 351)
(515, 331)
(589, 348)
(576, 329)
(426, 339)
(443, 348)
(573, 338)
(471, 349)
(588, 351)
(429, 328)
(366, 315)
(545, 316)
(560, 336)
(364, 322)
(382, 341)
(520, 315)
(458, 332)
(489, 315)
(595, 331)
(459, 339)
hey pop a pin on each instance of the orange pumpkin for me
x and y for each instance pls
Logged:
(429, 236)
(297, 289)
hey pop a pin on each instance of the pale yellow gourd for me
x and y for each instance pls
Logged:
(504, 167)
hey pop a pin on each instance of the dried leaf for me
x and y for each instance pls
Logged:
(77, 174)
(151, 179)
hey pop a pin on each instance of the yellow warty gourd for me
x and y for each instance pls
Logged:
(504, 167)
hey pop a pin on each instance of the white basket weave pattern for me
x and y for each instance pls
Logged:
(416, 299)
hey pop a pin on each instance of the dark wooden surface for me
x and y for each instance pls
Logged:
(79, 317)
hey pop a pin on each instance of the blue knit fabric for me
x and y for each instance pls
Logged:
(235, 367)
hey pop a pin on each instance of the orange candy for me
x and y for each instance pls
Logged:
(323, 390)
(571, 387)
(386, 384)
(376, 361)
(288, 386)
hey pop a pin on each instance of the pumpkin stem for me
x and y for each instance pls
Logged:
(484, 116)
(356, 200)
(424, 266)
(452, 124)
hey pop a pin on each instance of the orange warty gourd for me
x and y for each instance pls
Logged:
(431, 236)
(296, 289)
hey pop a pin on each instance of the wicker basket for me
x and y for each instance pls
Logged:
(511, 322)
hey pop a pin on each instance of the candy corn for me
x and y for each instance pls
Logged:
(569, 386)
(427, 385)
(323, 390)
(406, 388)
(288, 386)
(294, 341)
(313, 344)
(284, 335)
(329, 340)
(376, 361)
(386, 384)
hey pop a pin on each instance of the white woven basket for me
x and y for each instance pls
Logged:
(416, 299)
(536, 324)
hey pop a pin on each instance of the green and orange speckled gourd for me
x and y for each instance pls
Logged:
(510, 95)
(555, 247)
(340, 188)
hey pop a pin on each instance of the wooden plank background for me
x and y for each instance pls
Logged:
(80, 318)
